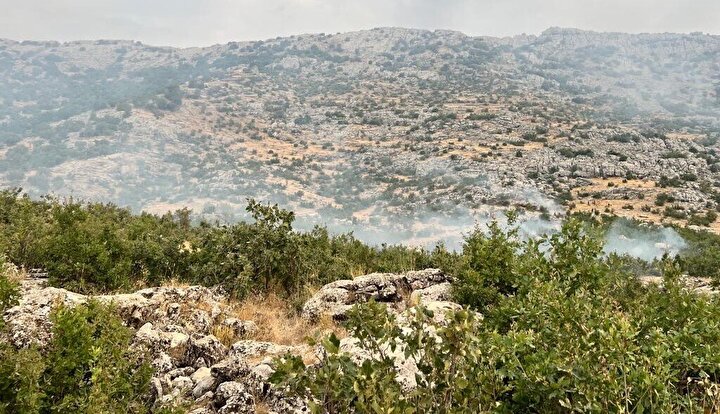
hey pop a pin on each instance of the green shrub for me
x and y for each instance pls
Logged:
(94, 247)
(703, 219)
(664, 182)
(663, 198)
(673, 154)
(489, 266)
(339, 384)
(572, 153)
(565, 330)
(87, 367)
(701, 258)
(9, 288)
(676, 212)
(485, 116)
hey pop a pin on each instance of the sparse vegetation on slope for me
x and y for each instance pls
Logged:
(410, 123)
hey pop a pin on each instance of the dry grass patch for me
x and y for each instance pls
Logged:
(224, 334)
(11, 271)
(279, 323)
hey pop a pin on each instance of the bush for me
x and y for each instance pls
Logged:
(664, 181)
(484, 116)
(701, 258)
(87, 367)
(673, 154)
(339, 384)
(566, 330)
(675, 212)
(703, 219)
(489, 267)
(624, 138)
(9, 288)
(93, 247)
(663, 198)
(572, 153)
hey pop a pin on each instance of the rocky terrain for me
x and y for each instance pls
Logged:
(409, 131)
(205, 357)
(207, 360)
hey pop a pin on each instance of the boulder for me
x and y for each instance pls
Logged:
(336, 298)
(204, 382)
(233, 397)
(239, 327)
(440, 310)
(405, 367)
(229, 368)
(439, 292)
(147, 335)
(207, 347)
(182, 385)
(156, 389)
(200, 374)
(29, 323)
(250, 349)
(162, 363)
(180, 372)
(180, 310)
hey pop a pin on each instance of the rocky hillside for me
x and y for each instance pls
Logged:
(381, 128)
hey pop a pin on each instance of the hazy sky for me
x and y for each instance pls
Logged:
(205, 22)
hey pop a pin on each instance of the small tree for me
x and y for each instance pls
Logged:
(272, 247)
(488, 270)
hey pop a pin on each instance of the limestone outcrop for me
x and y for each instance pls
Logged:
(397, 290)
(204, 355)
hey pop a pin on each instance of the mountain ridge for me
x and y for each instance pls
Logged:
(552, 30)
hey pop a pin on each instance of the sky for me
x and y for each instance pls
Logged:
(186, 23)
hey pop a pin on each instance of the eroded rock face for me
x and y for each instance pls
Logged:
(336, 298)
(249, 349)
(29, 322)
(405, 367)
(204, 350)
(233, 397)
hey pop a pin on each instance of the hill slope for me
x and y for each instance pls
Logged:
(409, 131)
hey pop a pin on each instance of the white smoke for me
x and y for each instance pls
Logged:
(644, 242)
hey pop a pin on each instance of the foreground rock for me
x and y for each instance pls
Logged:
(699, 285)
(204, 356)
(398, 291)
(174, 311)
(175, 328)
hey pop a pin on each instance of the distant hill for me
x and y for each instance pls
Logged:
(406, 132)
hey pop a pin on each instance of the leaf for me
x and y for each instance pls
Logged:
(332, 344)
(564, 402)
